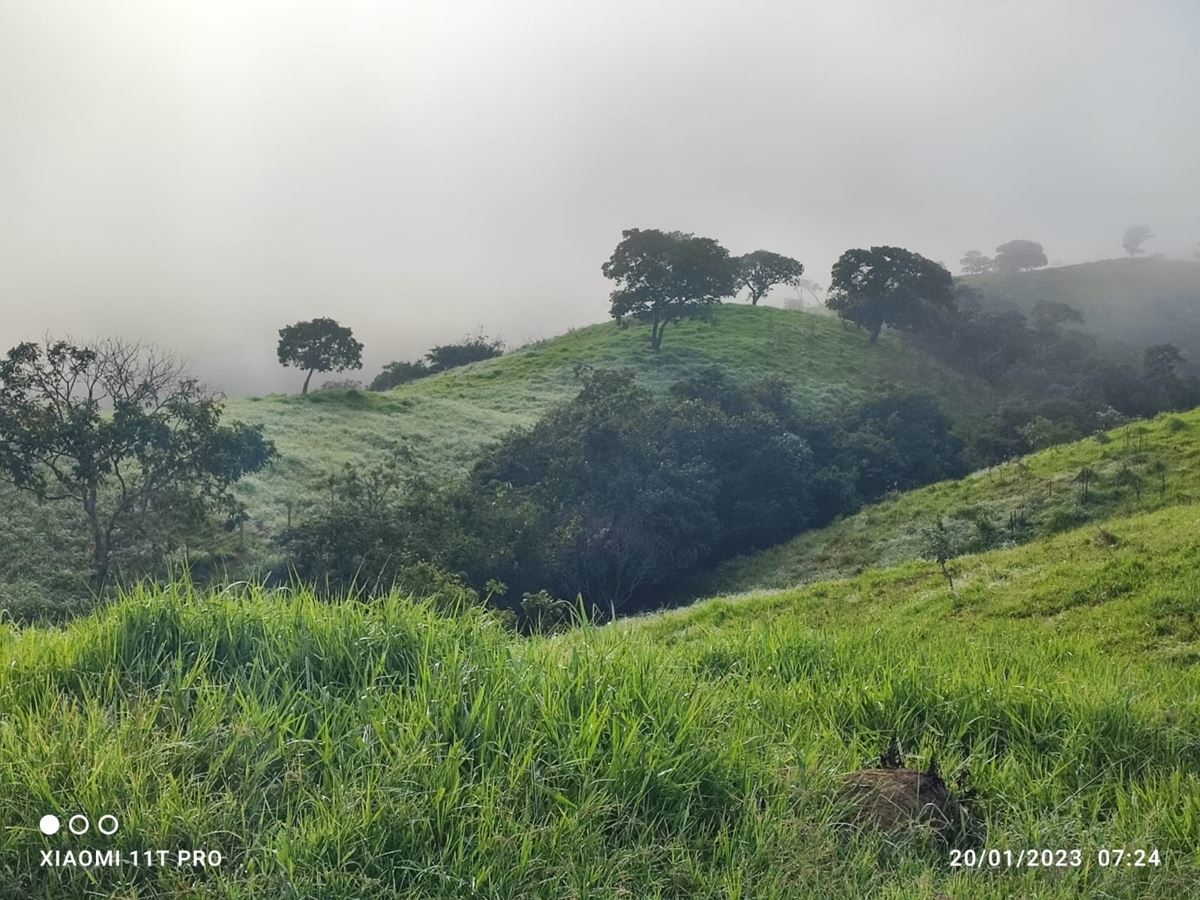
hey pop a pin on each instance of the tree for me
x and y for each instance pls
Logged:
(889, 286)
(975, 263)
(665, 276)
(1135, 236)
(762, 270)
(122, 432)
(320, 345)
(939, 545)
(1161, 363)
(1160, 368)
(1019, 255)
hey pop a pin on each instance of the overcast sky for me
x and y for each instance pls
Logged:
(197, 174)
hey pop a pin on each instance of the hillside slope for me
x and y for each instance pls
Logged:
(352, 750)
(447, 418)
(1136, 301)
(1142, 466)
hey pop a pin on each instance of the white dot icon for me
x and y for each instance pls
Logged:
(49, 824)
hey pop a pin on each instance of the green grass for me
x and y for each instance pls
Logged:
(1138, 301)
(1039, 490)
(447, 419)
(350, 750)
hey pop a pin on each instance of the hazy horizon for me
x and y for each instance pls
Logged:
(197, 175)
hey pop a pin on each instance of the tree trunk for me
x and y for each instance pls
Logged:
(655, 332)
(875, 329)
(656, 335)
(304, 390)
(99, 544)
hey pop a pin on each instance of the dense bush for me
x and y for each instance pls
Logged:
(397, 373)
(473, 348)
(619, 494)
(1059, 383)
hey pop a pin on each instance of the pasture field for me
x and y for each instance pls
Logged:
(391, 750)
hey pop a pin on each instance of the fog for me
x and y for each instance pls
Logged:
(198, 174)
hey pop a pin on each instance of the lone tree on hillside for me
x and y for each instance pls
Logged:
(1135, 236)
(121, 432)
(975, 263)
(662, 276)
(1019, 255)
(762, 270)
(939, 545)
(321, 345)
(889, 286)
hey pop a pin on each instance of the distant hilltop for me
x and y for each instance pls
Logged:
(1136, 301)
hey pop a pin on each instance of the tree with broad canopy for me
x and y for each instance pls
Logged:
(761, 270)
(319, 345)
(663, 276)
(889, 286)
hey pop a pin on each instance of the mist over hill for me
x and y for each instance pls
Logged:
(1135, 301)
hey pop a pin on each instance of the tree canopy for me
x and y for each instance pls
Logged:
(1135, 236)
(125, 435)
(1018, 255)
(319, 345)
(889, 286)
(975, 263)
(762, 270)
(664, 276)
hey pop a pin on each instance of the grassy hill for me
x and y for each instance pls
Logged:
(1137, 301)
(353, 750)
(1006, 505)
(447, 418)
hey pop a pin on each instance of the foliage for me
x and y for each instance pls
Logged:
(472, 348)
(620, 492)
(1135, 236)
(762, 270)
(1019, 255)
(1026, 499)
(938, 545)
(662, 277)
(319, 345)
(889, 286)
(1059, 383)
(122, 433)
(975, 263)
(1051, 314)
(379, 530)
(1162, 365)
(341, 384)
